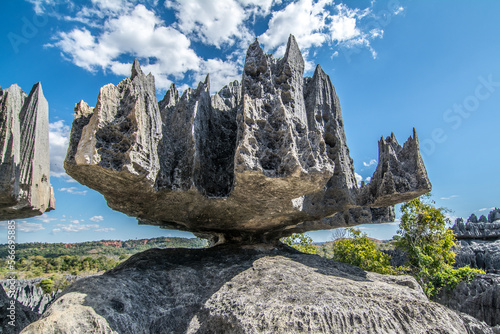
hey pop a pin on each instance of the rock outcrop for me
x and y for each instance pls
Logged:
(479, 229)
(29, 294)
(251, 289)
(14, 316)
(257, 161)
(479, 242)
(480, 298)
(25, 189)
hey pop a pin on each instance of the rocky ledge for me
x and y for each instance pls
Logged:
(251, 289)
(25, 189)
(257, 161)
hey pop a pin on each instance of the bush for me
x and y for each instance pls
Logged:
(361, 251)
(47, 285)
(301, 242)
(427, 243)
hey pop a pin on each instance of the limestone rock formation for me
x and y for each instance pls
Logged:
(479, 242)
(24, 154)
(481, 254)
(251, 289)
(29, 294)
(21, 315)
(480, 298)
(255, 162)
(479, 229)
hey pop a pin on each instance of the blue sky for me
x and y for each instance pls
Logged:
(432, 65)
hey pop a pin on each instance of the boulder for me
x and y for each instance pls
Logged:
(261, 288)
(25, 189)
(257, 161)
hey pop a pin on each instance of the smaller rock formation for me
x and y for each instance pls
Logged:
(250, 289)
(480, 298)
(29, 294)
(23, 315)
(479, 229)
(25, 189)
(479, 242)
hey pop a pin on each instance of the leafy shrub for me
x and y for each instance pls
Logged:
(427, 243)
(361, 251)
(301, 242)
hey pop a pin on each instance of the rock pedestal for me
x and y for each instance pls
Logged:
(259, 160)
(25, 189)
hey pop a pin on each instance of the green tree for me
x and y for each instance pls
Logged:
(301, 242)
(427, 243)
(47, 285)
(361, 251)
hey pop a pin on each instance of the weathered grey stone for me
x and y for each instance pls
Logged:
(252, 163)
(480, 298)
(24, 154)
(479, 229)
(13, 315)
(257, 289)
(480, 254)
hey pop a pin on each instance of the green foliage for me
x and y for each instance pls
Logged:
(427, 244)
(47, 285)
(42, 259)
(301, 242)
(361, 251)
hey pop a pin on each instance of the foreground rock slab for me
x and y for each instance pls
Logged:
(25, 189)
(257, 161)
(258, 289)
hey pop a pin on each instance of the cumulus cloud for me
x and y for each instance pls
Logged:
(58, 145)
(74, 191)
(97, 219)
(107, 34)
(24, 226)
(45, 218)
(75, 227)
(370, 163)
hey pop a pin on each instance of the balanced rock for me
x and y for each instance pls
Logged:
(25, 189)
(257, 161)
(250, 289)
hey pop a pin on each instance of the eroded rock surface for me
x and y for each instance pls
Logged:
(25, 189)
(256, 161)
(479, 229)
(258, 289)
(480, 298)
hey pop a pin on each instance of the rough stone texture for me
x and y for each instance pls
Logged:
(479, 229)
(255, 162)
(23, 315)
(24, 154)
(481, 254)
(480, 298)
(30, 295)
(258, 289)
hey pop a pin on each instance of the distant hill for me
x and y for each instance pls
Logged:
(103, 247)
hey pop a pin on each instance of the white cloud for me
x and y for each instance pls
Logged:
(359, 178)
(58, 146)
(45, 219)
(139, 33)
(105, 229)
(74, 191)
(370, 163)
(75, 221)
(97, 219)
(446, 198)
(487, 209)
(75, 227)
(304, 19)
(343, 25)
(29, 227)
(212, 22)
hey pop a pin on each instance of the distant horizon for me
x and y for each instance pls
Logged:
(395, 65)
